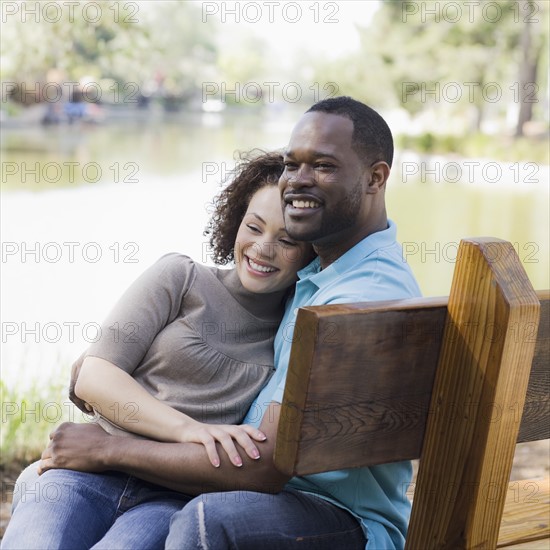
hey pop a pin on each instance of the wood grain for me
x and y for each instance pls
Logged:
(465, 458)
(370, 377)
(360, 379)
(526, 516)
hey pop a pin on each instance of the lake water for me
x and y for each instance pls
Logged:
(84, 210)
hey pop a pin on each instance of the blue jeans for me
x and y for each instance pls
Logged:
(246, 520)
(64, 509)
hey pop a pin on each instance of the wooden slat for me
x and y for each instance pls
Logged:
(542, 544)
(294, 403)
(347, 406)
(481, 368)
(526, 516)
(360, 424)
(535, 423)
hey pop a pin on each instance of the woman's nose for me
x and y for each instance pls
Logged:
(267, 248)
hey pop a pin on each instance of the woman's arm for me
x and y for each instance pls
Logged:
(119, 398)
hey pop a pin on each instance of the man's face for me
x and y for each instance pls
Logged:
(324, 183)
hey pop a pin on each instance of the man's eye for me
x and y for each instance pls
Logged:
(286, 242)
(290, 166)
(324, 166)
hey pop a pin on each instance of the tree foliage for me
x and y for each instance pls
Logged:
(146, 44)
(472, 61)
(462, 57)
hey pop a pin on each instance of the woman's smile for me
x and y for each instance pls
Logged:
(258, 267)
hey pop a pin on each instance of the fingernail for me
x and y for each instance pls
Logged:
(263, 436)
(255, 454)
(238, 462)
(216, 463)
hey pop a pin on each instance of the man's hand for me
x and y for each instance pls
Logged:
(75, 447)
(182, 467)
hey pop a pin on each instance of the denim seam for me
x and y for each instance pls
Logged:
(202, 526)
(119, 511)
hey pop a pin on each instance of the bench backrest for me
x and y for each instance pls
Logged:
(445, 380)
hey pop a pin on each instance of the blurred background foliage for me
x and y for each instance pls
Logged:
(160, 48)
(483, 72)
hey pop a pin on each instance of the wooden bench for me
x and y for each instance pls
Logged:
(453, 382)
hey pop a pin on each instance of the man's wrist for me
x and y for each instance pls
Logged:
(109, 456)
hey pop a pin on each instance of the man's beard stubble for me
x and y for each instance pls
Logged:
(342, 216)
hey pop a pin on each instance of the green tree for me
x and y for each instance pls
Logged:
(166, 42)
(424, 46)
(533, 45)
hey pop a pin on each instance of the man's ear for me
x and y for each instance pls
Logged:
(379, 174)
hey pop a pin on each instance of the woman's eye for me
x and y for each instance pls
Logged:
(253, 228)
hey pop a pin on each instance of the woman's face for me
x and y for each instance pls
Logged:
(267, 258)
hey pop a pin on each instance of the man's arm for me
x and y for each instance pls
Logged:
(183, 467)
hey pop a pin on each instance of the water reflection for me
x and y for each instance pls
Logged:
(166, 147)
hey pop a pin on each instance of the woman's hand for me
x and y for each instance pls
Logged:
(226, 435)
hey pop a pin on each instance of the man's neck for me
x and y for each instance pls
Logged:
(329, 252)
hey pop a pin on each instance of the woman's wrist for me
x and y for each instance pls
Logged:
(185, 425)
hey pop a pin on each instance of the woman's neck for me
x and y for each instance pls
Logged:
(264, 306)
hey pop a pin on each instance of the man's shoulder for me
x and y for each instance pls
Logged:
(383, 275)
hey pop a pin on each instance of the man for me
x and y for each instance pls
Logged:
(337, 165)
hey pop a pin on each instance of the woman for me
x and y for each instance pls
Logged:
(193, 345)
(181, 357)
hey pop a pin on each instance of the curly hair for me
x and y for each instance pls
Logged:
(254, 170)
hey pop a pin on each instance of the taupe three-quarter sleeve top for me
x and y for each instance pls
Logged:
(193, 337)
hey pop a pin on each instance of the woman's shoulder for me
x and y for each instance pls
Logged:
(175, 259)
(176, 263)
(172, 268)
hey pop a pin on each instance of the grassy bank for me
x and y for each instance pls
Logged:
(28, 417)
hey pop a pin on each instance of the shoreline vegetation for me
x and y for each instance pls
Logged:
(499, 148)
(28, 417)
(533, 146)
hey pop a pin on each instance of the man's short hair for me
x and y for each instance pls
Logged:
(372, 139)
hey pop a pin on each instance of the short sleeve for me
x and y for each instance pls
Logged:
(150, 303)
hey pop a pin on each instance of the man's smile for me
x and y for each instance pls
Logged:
(304, 204)
(301, 203)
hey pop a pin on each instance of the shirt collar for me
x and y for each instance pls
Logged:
(362, 249)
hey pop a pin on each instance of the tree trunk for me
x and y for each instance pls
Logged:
(527, 74)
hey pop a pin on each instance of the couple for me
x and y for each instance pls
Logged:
(200, 473)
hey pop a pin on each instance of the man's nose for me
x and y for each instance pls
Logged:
(303, 177)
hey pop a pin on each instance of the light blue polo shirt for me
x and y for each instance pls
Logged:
(374, 269)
